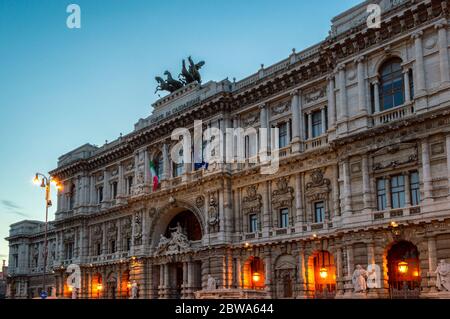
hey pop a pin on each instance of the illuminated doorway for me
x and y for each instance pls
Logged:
(403, 266)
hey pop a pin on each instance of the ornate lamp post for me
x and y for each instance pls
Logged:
(45, 182)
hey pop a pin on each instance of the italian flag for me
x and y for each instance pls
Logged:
(155, 176)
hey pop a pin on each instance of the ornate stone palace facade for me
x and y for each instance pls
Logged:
(364, 180)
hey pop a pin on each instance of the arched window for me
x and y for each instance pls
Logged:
(392, 86)
(178, 168)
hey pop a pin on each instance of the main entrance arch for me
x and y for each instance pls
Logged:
(176, 234)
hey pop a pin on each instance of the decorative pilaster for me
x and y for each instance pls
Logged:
(296, 124)
(426, 171)
(362, 108)
(331, 102)
(366, 181)
(447, 147)
(298, 201)
(347, 187)
(376, 93)
(419, 65)
(342, 111)
(432, 263)
(441, 26)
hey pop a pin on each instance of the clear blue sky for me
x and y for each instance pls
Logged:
(61, 88)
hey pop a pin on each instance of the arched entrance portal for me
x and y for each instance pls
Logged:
(285, 276)
(322, 272)
(179, 232)
(111, 286)
(403, 266)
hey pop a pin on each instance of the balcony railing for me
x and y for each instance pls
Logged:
(316, 142)
(394, 114)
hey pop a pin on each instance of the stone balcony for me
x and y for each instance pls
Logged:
(393, 114)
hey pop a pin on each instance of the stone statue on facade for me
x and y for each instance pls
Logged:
(443, 276)
(178, 241)
(359, 279)
(134, 290)
(211, 283)
(74, 293)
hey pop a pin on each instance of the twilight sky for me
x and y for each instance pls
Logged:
(61, 88)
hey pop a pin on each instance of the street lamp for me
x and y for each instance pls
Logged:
(45, 182)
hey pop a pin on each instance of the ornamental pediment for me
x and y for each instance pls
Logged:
(283, 195)
(252, 203)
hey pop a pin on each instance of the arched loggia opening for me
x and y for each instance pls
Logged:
(254, 270)
(403, 266)
(322, 273)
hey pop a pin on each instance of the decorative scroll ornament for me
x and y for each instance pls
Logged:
(252, 203)
(315, 94)
(137, 229)
(213, 214)
(200, 201)
(250, 120)
(69, 236)
(177, 243)
(97, 233)
(280, 109)
(283, 195)
(319, 187)
(111, 232)
(127, 227)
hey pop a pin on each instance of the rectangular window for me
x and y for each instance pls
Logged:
(253, 222)
(113, 246)
(282, 137)
(98, 250)
(398, 191)
(128, 244)
(284, 218)
(69, 250)
(130, 184)
(16, 260)
(381, 194)
(114, 189)
(319, 212)
(415, 188)
(100, 194)
(316, 124)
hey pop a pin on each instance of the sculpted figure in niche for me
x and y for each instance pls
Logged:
(134, 290)
(359, 279)
(443, 276)
(211, 284)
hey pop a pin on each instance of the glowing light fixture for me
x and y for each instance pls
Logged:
(36, 180)
(128, 285)
(323, 273)
(416, 274)
(256, 277)
(403, 267)
(70, 288)
(99, 287)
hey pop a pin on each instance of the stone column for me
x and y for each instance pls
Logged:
(147, 177)
(310, 130)
(335, 189)
(324, 122)
(298, 200)
(342, 112)
(302, 267)
(295, 121)
(268, 274)
(419, 66)
(361, 85)
(339, 274)
(407, 85)
(266, 213)
(426, 170)
(376, 93)
(121, 182)
(288, 131)
(301, 120)
(447, 146)
(264, 141)
(366, 181)
(441, 26)
(432, 262)
(350, 261)
(93, 191)
(166, 164)
(106, 186)
(331, 102)
(347, 187)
